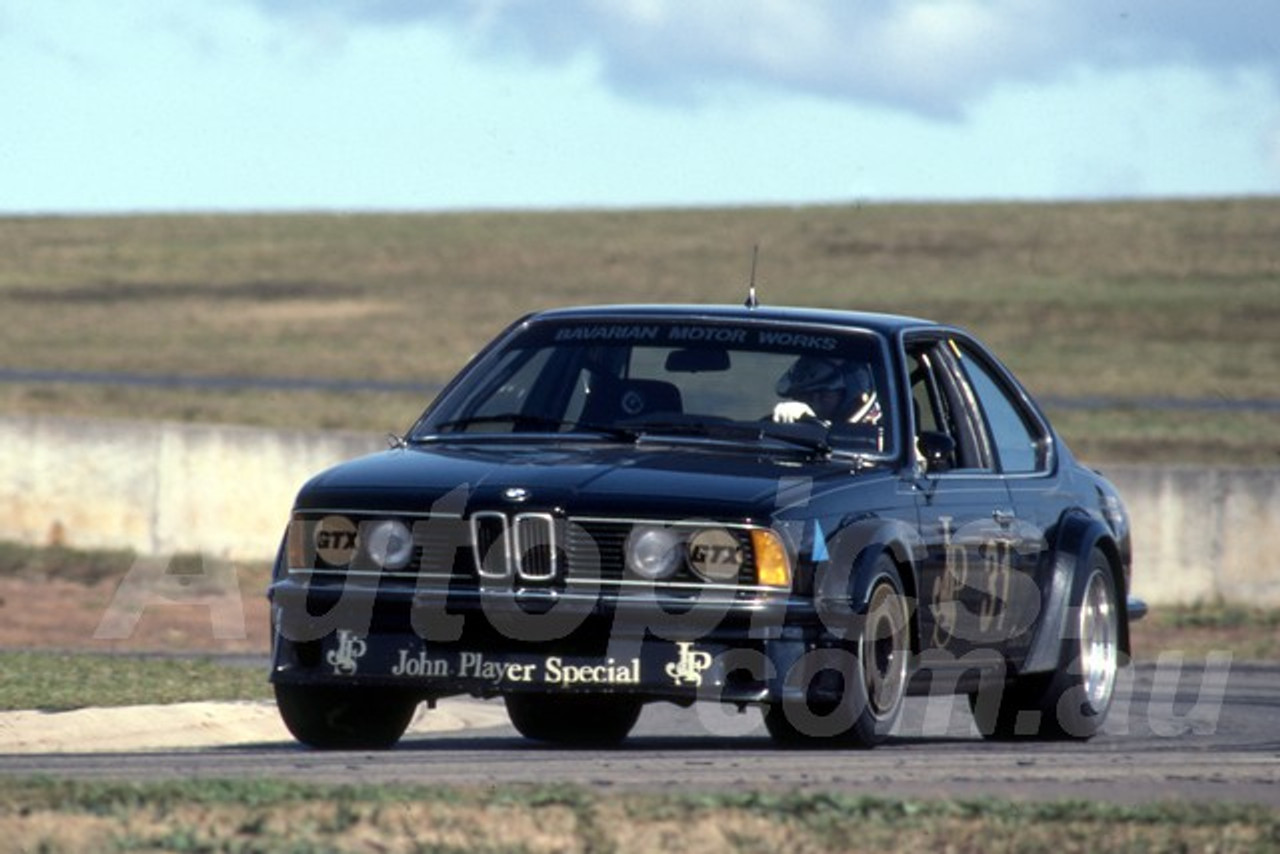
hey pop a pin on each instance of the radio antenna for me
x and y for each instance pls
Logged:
(752, 302)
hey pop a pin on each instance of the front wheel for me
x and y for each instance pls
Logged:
(581, 720)
(1072, 702)
(874, 677)
(329, 718)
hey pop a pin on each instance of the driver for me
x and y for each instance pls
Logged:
(829, 390)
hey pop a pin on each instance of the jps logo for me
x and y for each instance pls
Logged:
(345, 660)
(688, 668)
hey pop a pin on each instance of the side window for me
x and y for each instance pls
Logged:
(941, 405)
(929, 406)
(1018, 444)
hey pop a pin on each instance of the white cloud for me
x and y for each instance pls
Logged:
(932, 57)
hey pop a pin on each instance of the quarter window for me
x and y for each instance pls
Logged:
(1018, 446)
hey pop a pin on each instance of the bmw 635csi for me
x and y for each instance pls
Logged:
(812, 512)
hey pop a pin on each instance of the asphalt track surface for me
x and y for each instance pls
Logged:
(1208, 731)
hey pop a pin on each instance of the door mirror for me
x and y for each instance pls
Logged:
(937, 449)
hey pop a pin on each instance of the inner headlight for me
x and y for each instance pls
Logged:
(389, 543)
(653, 553)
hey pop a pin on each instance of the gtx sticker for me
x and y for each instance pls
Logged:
(335, 538)
(714, 554)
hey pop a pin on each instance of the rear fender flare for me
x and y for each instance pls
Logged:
(1078, 536)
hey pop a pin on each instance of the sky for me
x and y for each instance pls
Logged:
(122, 106)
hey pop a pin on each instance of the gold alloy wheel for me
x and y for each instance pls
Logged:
(883, 650)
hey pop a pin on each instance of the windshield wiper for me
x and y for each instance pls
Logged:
(806, 437)
(811, 436)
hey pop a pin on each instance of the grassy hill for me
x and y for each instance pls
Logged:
(1117, 300)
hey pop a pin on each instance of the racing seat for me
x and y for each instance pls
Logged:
(623, 399)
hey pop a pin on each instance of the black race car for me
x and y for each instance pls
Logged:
(813, 512)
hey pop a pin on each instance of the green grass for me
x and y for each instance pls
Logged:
(262, 815)
(55, 681)
(1222, 615)
(1177, 299)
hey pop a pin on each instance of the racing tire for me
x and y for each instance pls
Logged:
(1071, 702)
(577, 720)
(328, 718)
(875, 678)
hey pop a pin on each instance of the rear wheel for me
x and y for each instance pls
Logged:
(874, 678)
(1071, 702)
(329, 718)
(573, 719)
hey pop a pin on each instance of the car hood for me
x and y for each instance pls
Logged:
(596, 479)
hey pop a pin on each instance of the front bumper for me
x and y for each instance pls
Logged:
(736, 649)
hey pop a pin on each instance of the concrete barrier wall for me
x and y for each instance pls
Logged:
(158, 487)
(1203, 533)
(1200, 534)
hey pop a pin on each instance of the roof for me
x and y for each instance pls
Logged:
(887, 324)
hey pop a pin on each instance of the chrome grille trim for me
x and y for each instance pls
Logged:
(533, 546)
(491, 543)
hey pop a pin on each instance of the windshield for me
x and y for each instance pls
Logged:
(639, 378)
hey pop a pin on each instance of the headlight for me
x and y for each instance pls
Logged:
(653, 553)
(389, 543)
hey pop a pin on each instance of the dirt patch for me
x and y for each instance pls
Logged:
(66, 615)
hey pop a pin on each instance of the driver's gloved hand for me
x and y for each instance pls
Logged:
(791, 411)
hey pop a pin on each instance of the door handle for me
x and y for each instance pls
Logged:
(1004, 518)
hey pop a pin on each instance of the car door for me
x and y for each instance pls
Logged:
(963, 506)
(1023, 451)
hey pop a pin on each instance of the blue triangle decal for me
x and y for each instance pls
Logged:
(818, 550)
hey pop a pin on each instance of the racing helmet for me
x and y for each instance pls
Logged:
(810, 374)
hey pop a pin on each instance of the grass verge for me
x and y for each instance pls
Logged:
(82, 566)
(1123, 300)
(1248, 634)
(58, 681)
(263, 815)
